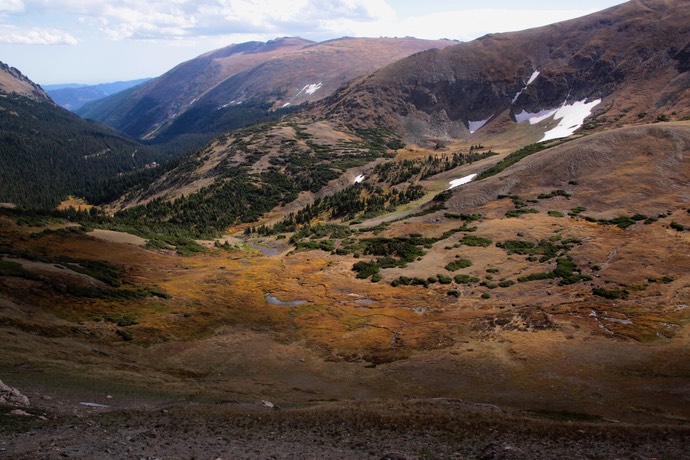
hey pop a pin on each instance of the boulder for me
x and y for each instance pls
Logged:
(12, 396)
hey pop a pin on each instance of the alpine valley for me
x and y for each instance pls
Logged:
(381, 248)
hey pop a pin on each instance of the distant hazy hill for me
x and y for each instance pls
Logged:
(73, 96)
(47, 152)
(220, 84)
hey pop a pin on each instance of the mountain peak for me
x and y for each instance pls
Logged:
(12, 81)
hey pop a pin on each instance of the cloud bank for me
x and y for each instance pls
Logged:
(191, 19)
(35, 36)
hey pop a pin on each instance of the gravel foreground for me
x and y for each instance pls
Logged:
(392, 430)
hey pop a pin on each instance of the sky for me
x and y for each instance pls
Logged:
(99, 41)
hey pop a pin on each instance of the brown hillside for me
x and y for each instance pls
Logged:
(317, 70)
(641, 169)
(142, 110)
(634, 57)
(13, 81)
(282, 71)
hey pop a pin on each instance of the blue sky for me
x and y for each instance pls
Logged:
(96, 41)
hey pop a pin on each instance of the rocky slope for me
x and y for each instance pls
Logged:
(12, 81)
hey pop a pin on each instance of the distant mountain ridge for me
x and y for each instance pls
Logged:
(73, 96)
(280, 73)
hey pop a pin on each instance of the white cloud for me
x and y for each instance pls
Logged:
(460, 25)
(35, 36)
(173, 19)
(317, 19)
(11, 6)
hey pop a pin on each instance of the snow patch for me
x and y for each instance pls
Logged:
(534, 76)
(571, 118)
(534, 118)
(476, 125)
(310, 89)
(462, 181)
(359, 178)
(92, 404)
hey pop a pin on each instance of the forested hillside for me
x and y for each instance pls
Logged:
(46, 153)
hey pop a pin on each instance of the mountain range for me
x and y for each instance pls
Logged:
(504, 91)
(73, 96)
(624, 65)
(220, 84)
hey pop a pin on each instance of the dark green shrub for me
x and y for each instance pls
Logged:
(466, 279)
(535, 277)
(662, 280)
(443, 279)
(517, 246)
(521, 211)
(126, 336)
(458, 264)
(554, 193)
(472, 240)
(610, 293)
(679, 227)
(365, 269)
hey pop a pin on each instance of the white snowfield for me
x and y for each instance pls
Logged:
(310, 89)
(570, 116)
(359, 178)
(462, 181)
(534, 76)
(534, 118)
(476, 125)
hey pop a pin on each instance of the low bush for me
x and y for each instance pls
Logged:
(610, 293)
(443, 279)
(466, 279)
(477, 241)
(365, 269)
(458, 264)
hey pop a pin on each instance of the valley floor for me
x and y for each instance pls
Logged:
(545, 322)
